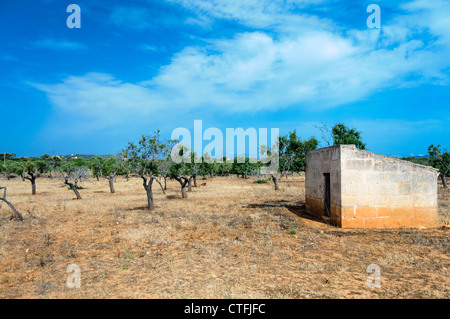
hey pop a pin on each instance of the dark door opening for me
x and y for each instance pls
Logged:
(327, 194)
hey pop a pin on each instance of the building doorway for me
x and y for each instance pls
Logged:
(327, 194)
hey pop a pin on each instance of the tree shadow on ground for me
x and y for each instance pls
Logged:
(144, 208)
(173, 197)
(298, 209)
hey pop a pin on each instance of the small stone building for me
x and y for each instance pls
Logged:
(360, 189)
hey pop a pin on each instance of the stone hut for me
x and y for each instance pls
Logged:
(359, 189)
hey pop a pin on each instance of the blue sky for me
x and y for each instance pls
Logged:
(140, 65)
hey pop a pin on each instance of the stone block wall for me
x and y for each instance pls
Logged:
(383, 192)
(327, 160)
(370, 190)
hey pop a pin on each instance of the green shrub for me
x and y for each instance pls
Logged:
(260, 181)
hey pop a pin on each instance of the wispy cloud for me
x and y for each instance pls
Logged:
(101, 97)
(148, 48)
(291, 59)
(256, 13)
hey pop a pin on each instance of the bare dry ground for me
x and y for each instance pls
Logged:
(230, 239)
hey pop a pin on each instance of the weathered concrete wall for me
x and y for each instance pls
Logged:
(325, 160)
(370, 190)
(382, 192)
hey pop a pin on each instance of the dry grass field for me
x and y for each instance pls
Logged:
(230, 239)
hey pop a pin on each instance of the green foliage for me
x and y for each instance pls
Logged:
(101, 166)
(175, 170)
(30, 167)
(208, 165)
(79, 162)
(144, 157)
(223, 168)
(53, 162)
(292, 229)
(343, 135)
(41, 166)
(293, 152)
(7, 167)
(439, 159)
(16, 169)
(68, 166)
(96, 165)
(245, 166)
(7, 156)
(112, 165)
(418, 160)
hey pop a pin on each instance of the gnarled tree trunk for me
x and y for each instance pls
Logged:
(190, 184)
(33, 185)
(110, 179)
(275, 182)
(183, 180)
(32, 178)
(444, 179)
(72, 186)
(18, 215)
(148, 183)
(148, 188)
(111, 185)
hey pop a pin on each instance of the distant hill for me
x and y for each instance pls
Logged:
(423, 160)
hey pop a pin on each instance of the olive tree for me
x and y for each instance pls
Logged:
(292, 152)
(72, 175)
(144, 158)
(208, 166)
(30, 172)
(273, 173)
(180, 169)
(3, 198)
(8, 168)
(109, 169)
(244, 166)
(343, 135)
(441, 160)
(96, 165)
(222, 167)
(193, 170)
(53, 164)
(164, 170)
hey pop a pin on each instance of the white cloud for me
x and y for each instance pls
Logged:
(100, 96)
(317, 66)
(255, 13)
